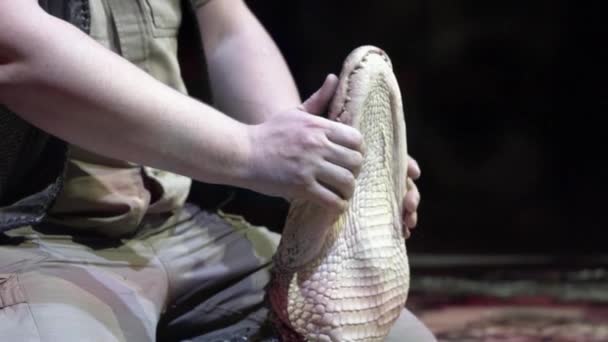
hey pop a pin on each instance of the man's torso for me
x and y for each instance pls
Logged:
(109, 196)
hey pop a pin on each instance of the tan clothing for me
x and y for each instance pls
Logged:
(205, 273)
(195, 277)
(109, 196)
(199, 3)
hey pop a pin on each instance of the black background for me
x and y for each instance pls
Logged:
(505, 113)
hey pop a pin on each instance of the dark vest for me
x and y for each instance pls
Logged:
(32, 162)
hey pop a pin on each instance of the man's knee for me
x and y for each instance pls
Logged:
(408, 328)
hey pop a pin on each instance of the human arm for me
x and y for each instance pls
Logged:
(249, 77)
(60, 80)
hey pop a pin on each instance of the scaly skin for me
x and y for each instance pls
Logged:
(346, 278)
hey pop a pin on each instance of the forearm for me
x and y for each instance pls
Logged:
(249, 77)
(67, 84)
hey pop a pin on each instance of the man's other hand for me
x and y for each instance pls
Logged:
(412, 197)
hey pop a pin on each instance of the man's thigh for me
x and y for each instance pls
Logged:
(408, 328)
(218, 267)
(55, 289)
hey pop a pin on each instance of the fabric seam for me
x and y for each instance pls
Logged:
(27, 303)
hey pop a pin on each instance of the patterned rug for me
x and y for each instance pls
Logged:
(514, 306)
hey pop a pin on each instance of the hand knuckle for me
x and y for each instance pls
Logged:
(313, 141)
(304, 177)
(314, 121)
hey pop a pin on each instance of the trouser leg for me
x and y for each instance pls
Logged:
(218, 268)
(409, 328)
(62, 290)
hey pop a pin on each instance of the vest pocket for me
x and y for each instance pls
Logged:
(166, 16)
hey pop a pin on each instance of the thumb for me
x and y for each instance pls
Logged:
(318, 102)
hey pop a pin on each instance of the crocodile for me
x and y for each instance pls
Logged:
(345, 276)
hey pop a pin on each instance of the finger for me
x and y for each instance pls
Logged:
(411, 201)
(406, 231)
(327, 198)
(318, 102)
(413, 169)
(346, 136)
(410, 220)
(346, 158)
(338, 179)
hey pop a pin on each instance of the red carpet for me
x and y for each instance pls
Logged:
(522, 307)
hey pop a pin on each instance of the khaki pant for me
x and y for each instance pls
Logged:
(192, 276)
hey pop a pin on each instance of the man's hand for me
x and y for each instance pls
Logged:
(299, 155)
(412, 197)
